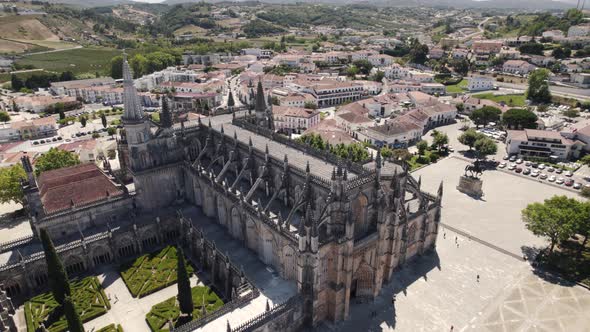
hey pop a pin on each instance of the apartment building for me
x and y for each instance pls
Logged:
(543, 144)
(294, 119)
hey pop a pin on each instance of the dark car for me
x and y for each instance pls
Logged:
(558, 171)
(518, 170)
(569, 182)
(534, 165)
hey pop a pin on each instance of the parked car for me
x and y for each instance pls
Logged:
(35, 143)
(552, 178)
(511, 167)
(543, 176)
(505, 157)
(535, 173)
(550, 169)
(560, 181)
(542, 166)
(519, 161)
(577, 185)
(518, 170)
(528, 164)
(502, 165)
(569, 174)
(569, 182)
(534, 165)
(512, 159)
(558, 170)
(42, 141)
(526, 171)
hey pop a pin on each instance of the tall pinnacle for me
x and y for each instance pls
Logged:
(133, 108)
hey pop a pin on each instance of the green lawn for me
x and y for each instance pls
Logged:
(78, 61)
(457, 88)
(111, 328)
(429, 157)
(514, 100)
(88, 296)
(168, 310)
(152, 272)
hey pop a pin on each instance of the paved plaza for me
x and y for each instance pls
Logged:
(441, 290)
(496, 217)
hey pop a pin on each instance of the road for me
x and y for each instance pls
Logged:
(561, 91)
(53, 51)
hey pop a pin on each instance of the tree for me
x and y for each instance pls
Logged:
(571, 113)
(103, 119)
(58, 278)
(67, 76)
(538, 90)
(422, 146)
(185, 299)
(401, 154)
(111, 131)
(310, 105)
(585, 160)
(117, 67)
(72, 316)
(83, 121)
(485, 146)
(364, 66)
(418, 52)
(555, 218)
(230, 100)
(439, 139)
(4, 117)
(461, 66)
(485, 115)
(561, 52)
(532, 48)
(469, 137)
(16, 83)
(10, 184)
(582, 227)
(519, 118)
(54, 159)
(59, 109)
(378, 76)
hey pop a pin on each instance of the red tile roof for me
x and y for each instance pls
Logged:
(78, 185)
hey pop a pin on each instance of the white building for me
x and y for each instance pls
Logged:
(480, 83)
(433, 88)
(258, 52)
(292, 119)
(542, 144)
(518, 67)
(578, 31)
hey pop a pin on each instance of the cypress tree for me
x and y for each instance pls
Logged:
(72, 316)
(230, 100)
(103, 118)
(58, 278)
(185, 298)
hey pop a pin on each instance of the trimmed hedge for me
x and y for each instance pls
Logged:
(88, 296)
(152, 272)
(168, 310)
(111, 328)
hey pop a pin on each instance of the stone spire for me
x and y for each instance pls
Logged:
(133, 108)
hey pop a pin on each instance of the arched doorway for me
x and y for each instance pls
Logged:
(289, 263)
(362, 281)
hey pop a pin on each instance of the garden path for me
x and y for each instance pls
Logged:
(126, 310)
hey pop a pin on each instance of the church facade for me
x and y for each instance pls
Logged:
(336, 228)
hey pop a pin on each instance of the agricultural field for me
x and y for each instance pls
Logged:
(89, 299)
(152, 272)
(163, 312)
(79, 61)
(513, 100)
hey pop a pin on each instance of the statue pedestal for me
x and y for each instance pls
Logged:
(470, 186)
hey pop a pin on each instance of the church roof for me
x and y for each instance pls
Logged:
(76, 185)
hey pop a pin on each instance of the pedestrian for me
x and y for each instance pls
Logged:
(452, 327)
(478, 278)
(444, 235)
(457, 244)
(455, 239)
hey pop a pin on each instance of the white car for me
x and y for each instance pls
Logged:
(502, 165)
(569, 174)
(519, 161)
(535, 173)
(542, 166)
(577, 185)
(560, 181)
(543, 176)
(512, 167)
(552, 178)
